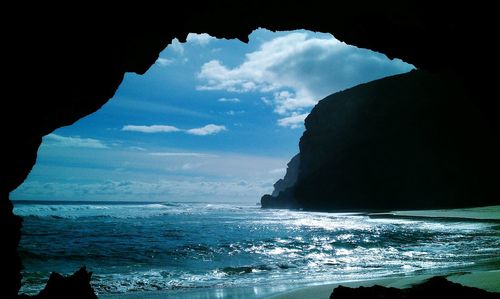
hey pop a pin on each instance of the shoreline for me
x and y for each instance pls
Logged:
(485, 280)
(478, 214)
(472, 277)
(481, 274)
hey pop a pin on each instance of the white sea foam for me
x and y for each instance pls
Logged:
(119, 210)
(167, 246)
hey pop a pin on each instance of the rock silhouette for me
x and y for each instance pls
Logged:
(435, 288)
(75, 286)
(292, 173)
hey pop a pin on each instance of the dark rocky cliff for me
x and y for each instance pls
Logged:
(292, 173)
(411, 141)
(283, 188)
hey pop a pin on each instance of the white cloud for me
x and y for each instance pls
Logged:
(235, 112)
(189, 166)
(181, 154)
(180, 189)
(164, 61)
(58, 140)
(155, 107)
(207, 130)
(199, 39)
(278, 171)
(294, 121)
(202, 39)
(266, 101)
(150, 129)
(137, 148)
(176, 47)
(288, 102)
(167, 174)
(229, 100)
(297, 70)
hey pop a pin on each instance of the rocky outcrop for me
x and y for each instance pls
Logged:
(63, 62)
(411, 141)
(292, 173)
(436, 287)
(283, 188)
(75, 286)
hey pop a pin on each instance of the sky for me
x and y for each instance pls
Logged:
(212, 120)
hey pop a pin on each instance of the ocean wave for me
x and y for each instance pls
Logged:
(246, 269)
(156, 280)
(167, 246)
(69, 210)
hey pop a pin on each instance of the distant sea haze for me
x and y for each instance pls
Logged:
(137, 247)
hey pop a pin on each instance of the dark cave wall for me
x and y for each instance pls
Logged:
(69, 64)
(65, 62)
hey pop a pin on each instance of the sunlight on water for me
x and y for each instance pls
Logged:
(172, 246)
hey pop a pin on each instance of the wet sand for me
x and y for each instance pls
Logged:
(487, 280)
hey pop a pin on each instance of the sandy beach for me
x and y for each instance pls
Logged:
(486, 280)
(481, 213)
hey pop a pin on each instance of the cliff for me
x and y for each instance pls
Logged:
(411, 141)
(292, 173)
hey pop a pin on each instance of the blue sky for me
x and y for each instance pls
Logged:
(212, 120)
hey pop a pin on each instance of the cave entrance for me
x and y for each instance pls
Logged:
(211, 125)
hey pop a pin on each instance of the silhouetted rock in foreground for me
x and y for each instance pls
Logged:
(411, 141)
(76, 286)
(436, 287)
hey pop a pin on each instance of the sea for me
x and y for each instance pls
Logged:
(134, 247)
